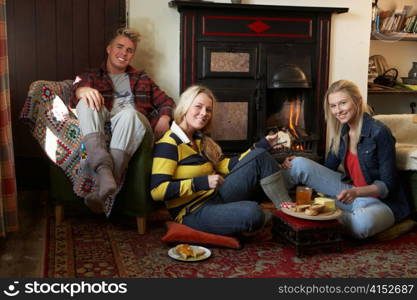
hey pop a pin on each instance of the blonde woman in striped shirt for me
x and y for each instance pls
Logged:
(200, 187)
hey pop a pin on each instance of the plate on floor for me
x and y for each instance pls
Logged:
(173, 254)
(324, 216)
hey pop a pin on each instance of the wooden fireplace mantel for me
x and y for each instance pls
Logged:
(254, 7)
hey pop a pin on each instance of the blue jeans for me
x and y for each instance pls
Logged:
(233, 210)
(364, 217)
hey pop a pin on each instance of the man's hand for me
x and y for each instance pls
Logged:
(215, 181)
(161, 126)
(91, 96)
(347, 196)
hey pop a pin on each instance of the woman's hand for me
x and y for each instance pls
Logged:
(215, 181)
(347, 196)
(287, 162)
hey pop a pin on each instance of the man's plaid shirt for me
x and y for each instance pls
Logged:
(149, 99)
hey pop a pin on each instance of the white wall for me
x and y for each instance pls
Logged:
(398, 54)
(158, 51)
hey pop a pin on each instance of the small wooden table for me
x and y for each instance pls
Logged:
(307, 235)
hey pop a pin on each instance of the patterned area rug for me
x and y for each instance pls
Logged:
(89, 246)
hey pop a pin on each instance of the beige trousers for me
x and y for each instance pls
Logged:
(128, 126)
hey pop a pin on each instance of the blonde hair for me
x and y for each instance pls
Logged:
(210, 148)
(130, 33)
(335, 127)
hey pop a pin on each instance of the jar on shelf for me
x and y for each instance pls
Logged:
(412, 74)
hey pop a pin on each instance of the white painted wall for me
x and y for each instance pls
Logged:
(158, 52)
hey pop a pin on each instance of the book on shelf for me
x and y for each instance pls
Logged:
(398, 20)
(407, 24)
(410, 24)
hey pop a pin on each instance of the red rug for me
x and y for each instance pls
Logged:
(88, 246)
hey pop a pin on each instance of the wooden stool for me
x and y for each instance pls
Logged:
(306, 235)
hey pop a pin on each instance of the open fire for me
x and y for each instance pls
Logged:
(289, 122)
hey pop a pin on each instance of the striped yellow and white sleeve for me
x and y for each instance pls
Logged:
(163, 184)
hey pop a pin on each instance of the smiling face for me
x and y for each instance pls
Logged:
(342, 107)
(198, 114)
(120, 53)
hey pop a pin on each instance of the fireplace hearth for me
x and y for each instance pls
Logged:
(267, 66)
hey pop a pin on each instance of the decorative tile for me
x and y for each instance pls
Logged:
(230, 62)
(230, 121)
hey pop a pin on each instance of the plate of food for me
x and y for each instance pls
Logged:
(186, 252)
(321, 209)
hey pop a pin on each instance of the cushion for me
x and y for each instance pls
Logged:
(177, 232)
(396, 230)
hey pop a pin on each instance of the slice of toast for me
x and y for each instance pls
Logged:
(198, 252)
(301, 208)
(186, 251)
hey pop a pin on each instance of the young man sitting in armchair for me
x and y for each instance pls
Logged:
(128, 99)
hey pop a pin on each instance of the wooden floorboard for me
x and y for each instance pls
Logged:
(22, 252)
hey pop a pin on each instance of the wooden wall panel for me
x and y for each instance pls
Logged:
(96, 32)
(53, 40)
(64, 43)
(80, 36)
(113, 20)
(46, 56)
(26, 68)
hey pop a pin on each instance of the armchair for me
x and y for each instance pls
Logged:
(404, 128)
(55, 127)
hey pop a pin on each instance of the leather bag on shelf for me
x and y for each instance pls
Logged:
(388, 78)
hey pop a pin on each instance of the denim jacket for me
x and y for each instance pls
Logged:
(377, 160)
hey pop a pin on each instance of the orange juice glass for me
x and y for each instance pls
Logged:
(303, 195)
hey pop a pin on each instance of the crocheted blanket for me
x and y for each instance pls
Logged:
(56, 129)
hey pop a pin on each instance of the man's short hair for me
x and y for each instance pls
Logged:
(130, 33)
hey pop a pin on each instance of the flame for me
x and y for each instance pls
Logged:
(299, 147)
(297, 112)
(291, 124)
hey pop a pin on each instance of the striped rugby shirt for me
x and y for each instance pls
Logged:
(180, 174)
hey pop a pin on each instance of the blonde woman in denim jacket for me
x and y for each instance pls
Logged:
(367, 190)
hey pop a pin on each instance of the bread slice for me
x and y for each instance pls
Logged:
(186, 251)
(301, 208)
(310, 212)
(198, 252)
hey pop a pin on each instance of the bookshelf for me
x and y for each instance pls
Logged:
(392, 92)
(394, 36)
(398, 23)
